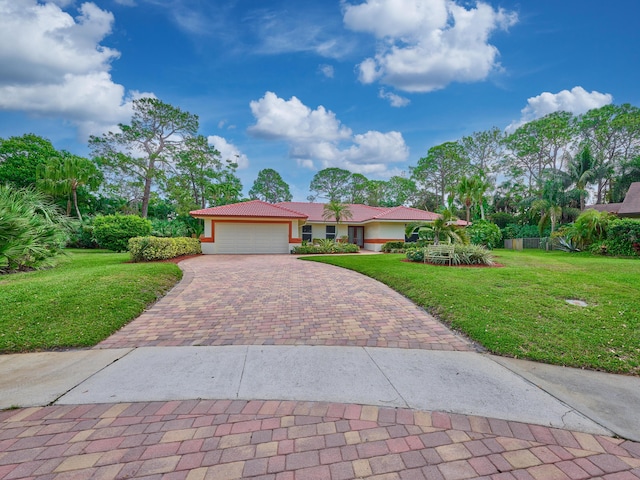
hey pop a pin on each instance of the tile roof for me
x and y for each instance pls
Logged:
(359, 213)
(313, 212)
(406, 213)
(254, 208)
(604, 207)
(363, 213)
(631, 204)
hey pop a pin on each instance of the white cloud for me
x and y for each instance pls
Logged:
(53, 64)
(228, 151)
(292, 120)
(126, 3)
(394, 100)
(576, 101)
(327, 70)
(317, 139)
(424, 45)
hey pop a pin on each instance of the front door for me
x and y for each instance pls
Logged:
(356, 235)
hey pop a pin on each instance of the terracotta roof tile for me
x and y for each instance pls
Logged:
(406, 213)
(359, 213)
(254, 208)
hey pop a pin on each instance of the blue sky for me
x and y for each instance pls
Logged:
(301, 85)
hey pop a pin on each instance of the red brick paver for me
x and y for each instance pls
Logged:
(293, 440)
(280, 300)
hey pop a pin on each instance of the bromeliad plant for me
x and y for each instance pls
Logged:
(462, 255)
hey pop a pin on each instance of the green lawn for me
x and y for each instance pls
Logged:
(520, 310)
(82, 301)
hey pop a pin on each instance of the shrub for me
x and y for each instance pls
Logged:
(591, 226)
(81, 234)
(395, 245)
(33, 229)
(623, 237)
(472, 255)
(147, 249)
(327, 246)
(114, 231)
(485, 233)
(416, 254)
(169, 228)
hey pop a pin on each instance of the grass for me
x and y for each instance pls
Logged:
(520, 310)
(82, 301)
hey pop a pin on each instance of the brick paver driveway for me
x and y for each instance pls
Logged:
(280, 300)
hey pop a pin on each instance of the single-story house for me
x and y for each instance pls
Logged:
(261, 227)
(630, 207)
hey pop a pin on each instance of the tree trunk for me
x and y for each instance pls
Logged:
(75, 203)
(146, 194)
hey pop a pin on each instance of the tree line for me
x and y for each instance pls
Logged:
(158, 165)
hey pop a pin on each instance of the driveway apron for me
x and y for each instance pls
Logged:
(281, 300)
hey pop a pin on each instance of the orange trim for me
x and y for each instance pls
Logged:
(211, 239)
(383, 240)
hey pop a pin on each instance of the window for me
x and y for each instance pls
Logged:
(306, 233)
(331, 232)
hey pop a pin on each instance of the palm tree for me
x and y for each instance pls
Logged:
(64, 175)
(482, 185)
(338, 211)
(550, 213)
(442, 227)
(582, 170)
(467, 193)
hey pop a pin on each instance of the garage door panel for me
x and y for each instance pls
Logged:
(252, 238)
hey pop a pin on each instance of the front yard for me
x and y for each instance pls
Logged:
(80, 302)
(520, 310)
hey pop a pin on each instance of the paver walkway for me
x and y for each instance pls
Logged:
(280, 300)
(223, 440)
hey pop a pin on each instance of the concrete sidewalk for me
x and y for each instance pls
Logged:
(465, 383)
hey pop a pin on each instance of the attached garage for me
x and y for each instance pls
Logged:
(251, 237)
(253, 227)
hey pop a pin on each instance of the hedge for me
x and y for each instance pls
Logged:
(114, 231)
(147, 249)
(327, 247)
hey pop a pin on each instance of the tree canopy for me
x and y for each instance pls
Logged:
(270, 187)
(141, 151)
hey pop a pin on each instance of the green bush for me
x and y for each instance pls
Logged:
(623, 237)
(147, 249)
(81, 234)
(114, 231)
(415, 254)
(485, 233)
(395, 245)
(33, 229)
(169, 228)
(591, 226)
(326, 246)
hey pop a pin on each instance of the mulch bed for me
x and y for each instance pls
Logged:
(179, 259)
(495, 265)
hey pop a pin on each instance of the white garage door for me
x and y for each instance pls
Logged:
(252, 238)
